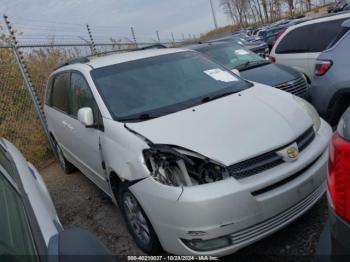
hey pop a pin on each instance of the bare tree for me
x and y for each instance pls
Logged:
(291, 6)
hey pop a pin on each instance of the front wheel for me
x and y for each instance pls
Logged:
(138, 224)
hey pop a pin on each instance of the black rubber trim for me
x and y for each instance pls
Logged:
(286, 180)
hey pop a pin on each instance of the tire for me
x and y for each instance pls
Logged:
(66, 166)
(137, 222)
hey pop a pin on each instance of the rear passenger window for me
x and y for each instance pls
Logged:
(294, 42)
(313, 38)
(59, 95)
(80, 95)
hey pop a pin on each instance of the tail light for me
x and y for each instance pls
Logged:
(339, 176)
(278, 35)
(322, 67)
(272, 59)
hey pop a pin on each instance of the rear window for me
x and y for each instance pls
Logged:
(338, 37)
(59, 93)
(313, 38)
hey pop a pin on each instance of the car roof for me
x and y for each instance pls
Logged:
(322, 19)
(98, 62)
(117, 58)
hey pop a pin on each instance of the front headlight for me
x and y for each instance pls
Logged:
(173, 168)
(311, 111)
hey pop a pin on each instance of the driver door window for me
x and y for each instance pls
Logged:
(80, 96)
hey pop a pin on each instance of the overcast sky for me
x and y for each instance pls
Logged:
(40, 18)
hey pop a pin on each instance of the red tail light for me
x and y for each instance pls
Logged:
(322, 67)
(272, 59)
(339, 176)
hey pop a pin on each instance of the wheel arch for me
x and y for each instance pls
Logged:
(339, 102)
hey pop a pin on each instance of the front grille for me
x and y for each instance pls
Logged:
(268, 160)
(279, 220)
(255, 165)
(306, 139)
(298, 87)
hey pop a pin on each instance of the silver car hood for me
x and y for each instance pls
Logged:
(233, 128)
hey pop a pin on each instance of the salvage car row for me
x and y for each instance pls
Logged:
(200, 153)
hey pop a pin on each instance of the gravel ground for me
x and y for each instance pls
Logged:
(80, 203)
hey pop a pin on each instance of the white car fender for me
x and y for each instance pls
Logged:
(122, 152)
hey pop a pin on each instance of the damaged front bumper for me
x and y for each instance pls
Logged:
(222, 217)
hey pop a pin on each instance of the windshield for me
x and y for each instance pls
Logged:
(232, 56)
(163, 84)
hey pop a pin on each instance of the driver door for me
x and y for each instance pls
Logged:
(85, 142)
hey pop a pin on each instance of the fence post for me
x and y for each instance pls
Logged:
(27, 81)
(133, 36)
(93, 46)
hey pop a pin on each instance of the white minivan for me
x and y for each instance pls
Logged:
(200, 161)
(300, 45)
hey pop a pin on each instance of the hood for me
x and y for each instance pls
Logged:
(233, 128)
(256, 45)
(270, 74)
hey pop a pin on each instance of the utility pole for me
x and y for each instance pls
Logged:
(213, 12)
(157, 33)
(172, 37)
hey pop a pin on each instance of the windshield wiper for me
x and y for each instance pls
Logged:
(140, 117)
(213, 97)
(250, 64)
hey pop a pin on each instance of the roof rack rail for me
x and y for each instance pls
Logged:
(86, 59)
(155, 46)
(79, 60)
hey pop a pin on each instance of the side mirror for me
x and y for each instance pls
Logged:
(236, 72)
(86, 117)
(77, 245)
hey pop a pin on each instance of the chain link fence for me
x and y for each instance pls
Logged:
(18, 119)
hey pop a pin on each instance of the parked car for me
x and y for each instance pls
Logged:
(340, 6)
(331, 84)
(258, 47)
(331, 7)
(335, 239)
(254, 68)
(199, 160)
(30, 229)
(271, 35)
(300, 45)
